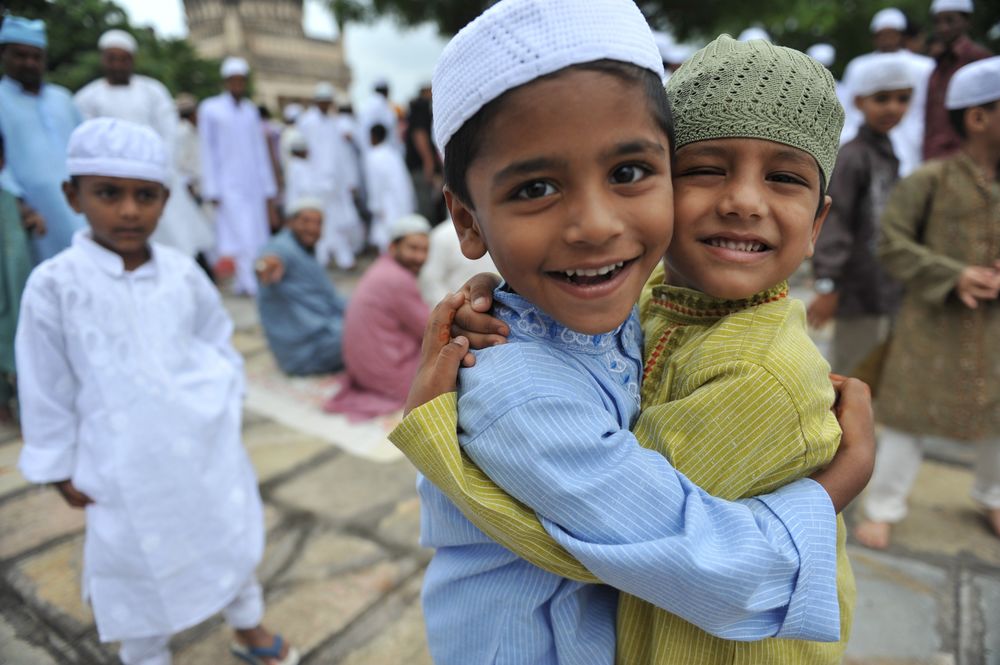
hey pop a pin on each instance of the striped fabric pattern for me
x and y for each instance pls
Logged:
(543, 420)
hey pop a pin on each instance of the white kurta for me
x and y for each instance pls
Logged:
(376, 110)
(301, 181)
(908, 136)
(236, 172)
(342, 229)
(146, 101)
(390, 191)
(130, 386)
(446, 268)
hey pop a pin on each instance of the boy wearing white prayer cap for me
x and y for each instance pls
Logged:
(951, 27)
(131, 406)
(569, 190)
(941, 238)
(851, 286)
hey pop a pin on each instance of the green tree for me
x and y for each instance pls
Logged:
(74, 26)
(795, 23)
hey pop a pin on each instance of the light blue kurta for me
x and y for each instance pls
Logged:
(547, 417)
(36, 131)
(302, 315)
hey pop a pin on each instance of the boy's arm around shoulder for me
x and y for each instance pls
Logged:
(901, 249)
(47, 384)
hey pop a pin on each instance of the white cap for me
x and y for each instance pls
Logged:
(879, 72)
(305, 203)
(119, 149)
(291, 112)
(824, 54)
(974, 84)
(296, 140)
(324, 92)
(117, 39)
(234, 66)
(408, 225)
(888, 19)
(754, 33)
(517, 41)
(964, 6)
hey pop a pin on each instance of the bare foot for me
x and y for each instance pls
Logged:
(261, 637)
(993, 517)
(873, 534)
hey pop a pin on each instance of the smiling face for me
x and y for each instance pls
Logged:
(307, 226)
(570, 194)
(744, 215)
(884, 109)
(122, 212)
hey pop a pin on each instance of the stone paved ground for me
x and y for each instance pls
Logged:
(342, 570)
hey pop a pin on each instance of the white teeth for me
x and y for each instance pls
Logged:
(737, 245)
(594, 272)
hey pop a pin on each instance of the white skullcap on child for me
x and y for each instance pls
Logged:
(117, 39)
(824, 54)
(305, 203)
(880, 72)
(975, 84)
(119, 149)
(233, 66)
(888, 19)
(296, 140)
(964, 6)
(409, 225)
(517, 41)
(292, 112)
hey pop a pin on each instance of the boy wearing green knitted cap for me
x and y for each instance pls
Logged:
(733, 392)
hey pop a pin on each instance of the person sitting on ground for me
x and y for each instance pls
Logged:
(300, 310)
(384, 325)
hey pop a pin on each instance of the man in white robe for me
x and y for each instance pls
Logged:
(237, 177)
(378, 110)
(328, 157)
(125, 95)
(390, 190)
(888, 27)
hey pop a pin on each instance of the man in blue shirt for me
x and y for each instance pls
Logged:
(36, 119)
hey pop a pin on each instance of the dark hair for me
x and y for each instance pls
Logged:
(464, 145)
(378, 133)
(957, 116)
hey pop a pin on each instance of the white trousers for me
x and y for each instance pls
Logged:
(896, 465)
(245, 612)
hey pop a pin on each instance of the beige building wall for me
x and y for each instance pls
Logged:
(286, 64)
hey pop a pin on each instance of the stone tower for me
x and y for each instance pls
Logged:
(286, 63)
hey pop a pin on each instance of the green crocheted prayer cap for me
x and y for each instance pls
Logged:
(754, 89)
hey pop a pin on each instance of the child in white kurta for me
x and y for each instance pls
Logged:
(390, 190)
(131, 404)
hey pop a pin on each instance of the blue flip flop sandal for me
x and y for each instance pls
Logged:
(260, 655)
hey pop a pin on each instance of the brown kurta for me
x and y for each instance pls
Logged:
(940, 138)
(942, 374)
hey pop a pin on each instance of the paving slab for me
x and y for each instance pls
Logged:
(402, 640)
(401, 527)
(331, 554)
(275, 449)
(986, 599)
(15, 650)
(11, 479)
(33, 518)
(51, 582)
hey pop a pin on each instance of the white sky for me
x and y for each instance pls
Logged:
(381, 50)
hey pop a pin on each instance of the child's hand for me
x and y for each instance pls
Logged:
(74, 497)
(822, 308)
(473, 321)
(852, 466)
(440, 355)
(977, 283)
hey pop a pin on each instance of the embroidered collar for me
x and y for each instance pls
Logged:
(527, 320)
(108, 261)
(689, 306)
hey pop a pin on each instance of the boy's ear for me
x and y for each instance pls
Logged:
(464, 218)
(818, 224)
(72, 194)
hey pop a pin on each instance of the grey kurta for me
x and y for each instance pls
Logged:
(942, 373)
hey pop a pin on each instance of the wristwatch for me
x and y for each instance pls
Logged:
(824, 286)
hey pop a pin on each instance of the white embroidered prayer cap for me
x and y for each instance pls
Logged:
(305, 203)
(117, 39)
(880, 72)
(292, 112)
(888, 19)
(324, 92)
(19, 30)
(754, 33)
(517, 41)
(974, 84)
(409, 225)
(824, 54)
(234, 66)
(118, 149)
(964, 6)
(296, 140)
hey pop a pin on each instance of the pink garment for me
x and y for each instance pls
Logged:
(383, 328)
